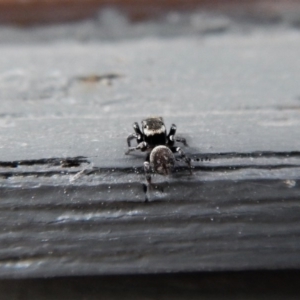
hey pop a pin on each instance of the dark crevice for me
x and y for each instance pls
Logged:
(125, 205)
(241, 167)
(255, 154)
(78, 161)
(33, 257)
(140, 170)
(66, 162)
(7, 175)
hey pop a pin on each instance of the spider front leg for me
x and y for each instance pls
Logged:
(131, 137)
(147, 170)
(171, 137)
(141, 146)
(136, 135)
(181, 140)
(183, 156)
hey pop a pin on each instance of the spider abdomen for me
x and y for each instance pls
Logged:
(162, 160)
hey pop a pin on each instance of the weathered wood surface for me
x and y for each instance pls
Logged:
(68, 107)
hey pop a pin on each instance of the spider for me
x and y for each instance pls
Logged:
(154, 139)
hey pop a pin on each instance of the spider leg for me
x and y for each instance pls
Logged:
(181, 140)
(171, 135)
(138, 132)
(183, 156)
(131, 137)
(138, 135)
(141, 146)
(147, 170)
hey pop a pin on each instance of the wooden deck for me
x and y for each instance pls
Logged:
(71, 202)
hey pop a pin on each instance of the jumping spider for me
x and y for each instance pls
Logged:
(154, 139)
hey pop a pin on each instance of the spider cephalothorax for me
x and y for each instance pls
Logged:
(160, 146)
(154, 131)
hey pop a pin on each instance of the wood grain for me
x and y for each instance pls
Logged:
(235, 97)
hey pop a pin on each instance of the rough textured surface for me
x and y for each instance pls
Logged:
(68, 107)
